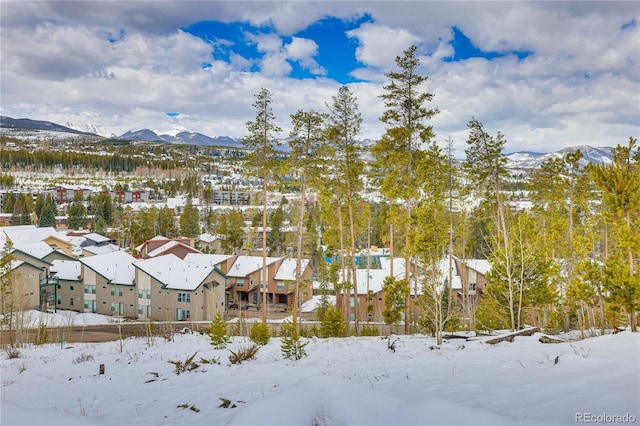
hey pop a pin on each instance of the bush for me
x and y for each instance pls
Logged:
(243, 354)
(260, 333)
(13, 353)
(333, 323)
(83, 358)
(187, 365)
(369, 331)
(42, 335)
(217, 332)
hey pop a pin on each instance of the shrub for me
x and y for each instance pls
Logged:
(83, 358)
(187, 365)
(333, 323)
(42, 335)
(217, 332)
(260, 333)
(369, 331)
(13, 353)
(243, 354)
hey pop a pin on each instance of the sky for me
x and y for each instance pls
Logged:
(546, 74)
(341, 381)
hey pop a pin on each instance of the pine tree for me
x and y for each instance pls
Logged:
(47, 216)
(345, 122)
(217, 332)
(190, 221)
(308, 146)
(261, 162)
(332, 323)
(620, 186)
(399, 151)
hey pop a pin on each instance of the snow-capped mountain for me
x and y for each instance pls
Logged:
(26, 123)
(88, 127)
(534, 160)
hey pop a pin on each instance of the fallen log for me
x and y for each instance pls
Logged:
(547, 339)
(511, 336)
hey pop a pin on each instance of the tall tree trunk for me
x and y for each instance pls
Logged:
(263, 284)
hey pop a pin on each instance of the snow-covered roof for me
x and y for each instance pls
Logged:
(117, 267)
(245, 265)
(174, 272)
(315, 302)
(480, 265)
(39, 249)
(287, 270)
(398, 266)
(17, 263)
(30, 233)
(207, 259)
(97, 238)
(70, 270)
(96, 250)
(456, 282)
(208, 238)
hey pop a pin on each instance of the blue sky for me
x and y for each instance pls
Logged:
(546, 74)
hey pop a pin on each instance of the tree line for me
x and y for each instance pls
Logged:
(569, 261)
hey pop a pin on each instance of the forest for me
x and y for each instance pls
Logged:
(570, 261)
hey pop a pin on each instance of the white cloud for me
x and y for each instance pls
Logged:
(379, 45)
(580, 85)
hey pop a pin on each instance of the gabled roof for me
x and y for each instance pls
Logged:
(116, 267)
(207, 259)
(69, 270)
(30, 233)
(15, 264)
(245, 265)
(39, 249)
(287, 270)
(170, 245)
(175, 273)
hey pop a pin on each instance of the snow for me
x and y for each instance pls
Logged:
(175, 273)
(347, 381)
(116, 266)
(287, 270)
(245, 265)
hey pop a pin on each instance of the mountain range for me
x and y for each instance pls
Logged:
(515, 160)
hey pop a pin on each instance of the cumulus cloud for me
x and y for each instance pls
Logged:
(122, 65)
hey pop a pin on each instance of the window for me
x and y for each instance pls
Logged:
(114, 306)
(71, 287)
(472, 286)
(280, 285)
(71, 301)
(184, 297)
(144, 294)
(90, 289)
(240, 283)
(184, 314)
(113, 291)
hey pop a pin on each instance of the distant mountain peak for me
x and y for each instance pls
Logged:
(532, 160)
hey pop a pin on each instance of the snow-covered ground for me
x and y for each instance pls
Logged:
(349, 381)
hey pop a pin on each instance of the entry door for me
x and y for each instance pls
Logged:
(255, 298)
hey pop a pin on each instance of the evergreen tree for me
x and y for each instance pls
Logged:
(39, 205)
(395, 299)
(620, 186)
(345, 121)
(261, 162)
(217, 332)
(190, 221)
(399, 151)
(47, 216)
(333, 323)
(308, 148)
(77, 215)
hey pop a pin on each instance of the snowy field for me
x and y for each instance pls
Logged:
(349, 381)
